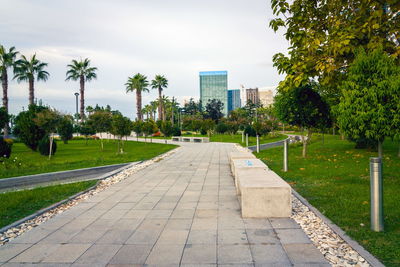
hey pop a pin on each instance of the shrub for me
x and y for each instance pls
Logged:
(5, 148)
(44, 146)
(65, 129)
(221, 128)
(249, 130)
(176, 131)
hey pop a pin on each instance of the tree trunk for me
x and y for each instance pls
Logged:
(4, 83)
(51, 145)
(31, 91)
(139, 105)
(380, 150)
(101, 141)
(82, 91)
(160, 107)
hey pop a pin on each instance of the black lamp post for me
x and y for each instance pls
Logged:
(76, 97)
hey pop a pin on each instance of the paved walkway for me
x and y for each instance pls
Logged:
(181, 211)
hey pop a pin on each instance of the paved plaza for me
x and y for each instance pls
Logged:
(180, 211)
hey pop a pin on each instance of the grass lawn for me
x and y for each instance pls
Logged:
(76, 154)
(19, 204)
(335, 179)
(237, 138)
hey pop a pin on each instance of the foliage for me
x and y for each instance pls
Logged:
(232, 126)
(122, 126)
(207, 126)
(261, 128)
(137, 127)
(86, 129)
(159, 83)
(5, 148)
(324, 35)
(48, 120)
(100, 121)
(250, 131)
(192, 107)
(221, 128)
(176, 131)
(370, 105)
(81, 69)
(44, 146)
(26, 129)
(167, 128)
(4, 117)
(214, 109)
(138, 83)
(7, 59)
(65, 128)
(149, 128)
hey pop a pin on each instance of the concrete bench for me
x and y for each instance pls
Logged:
(264, 194)
(190, 139)
(201, 140)
(176, 138)
(243, 165)
(239, 155)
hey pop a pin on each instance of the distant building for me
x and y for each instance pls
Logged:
(252, 95)
(214, 85)
(266, 97)
(233, 99)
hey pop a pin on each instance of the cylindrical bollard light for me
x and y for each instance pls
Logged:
(247, 140)
(285, 154)
(258, 144)
(375, 168)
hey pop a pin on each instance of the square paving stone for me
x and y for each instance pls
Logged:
(131, 254)
(176, 237)
(159, 214)
(184, 212)
(124, 205)
(99, 254)
(262, 236)
(67, 253)
(144, 237)
(9, 251)
(36, 253)
(232, 237)
(162, 254)
(89, 235)
(204, 224)
(269, 254)
(199, 254)
(292, 236)
(279, 223)
(257, 224)
(178, 224)
(202, 237)
(234, 254)
(136, 214)
(206, 213)
(32, 236)
(227, 223)
(304, 253)
(115, 236)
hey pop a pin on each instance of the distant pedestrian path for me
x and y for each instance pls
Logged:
(180, 211)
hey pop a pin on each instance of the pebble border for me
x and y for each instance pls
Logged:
(29, 223)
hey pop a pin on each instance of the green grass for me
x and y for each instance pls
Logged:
(76, 154)
(237, 138)
(19, 204)
(335, 179)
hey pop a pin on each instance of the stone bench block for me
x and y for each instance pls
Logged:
(246, 164)
(177, 138)
(239, 155)
(264, 196)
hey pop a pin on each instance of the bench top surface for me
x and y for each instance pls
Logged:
(239, 163)
(241, 155)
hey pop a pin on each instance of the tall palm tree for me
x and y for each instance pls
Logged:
(81, 70)
(139, 83)
(154, 107)
(28, 70)
(159, 82)
(7, 60)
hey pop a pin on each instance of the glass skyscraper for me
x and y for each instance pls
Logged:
(214, 85)
(233, 99)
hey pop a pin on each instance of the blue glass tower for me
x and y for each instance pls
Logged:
(233, 99)
(214, 85)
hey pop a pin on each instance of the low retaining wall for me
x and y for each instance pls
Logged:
(190, 139)
(29, 181)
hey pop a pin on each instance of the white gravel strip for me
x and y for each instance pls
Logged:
(102, 185)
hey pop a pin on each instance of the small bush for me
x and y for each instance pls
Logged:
(176, 131)
(5, 147)
(249, 130)
(221, 128)
(44, 146)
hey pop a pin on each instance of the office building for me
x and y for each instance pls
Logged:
(266, 97)
(233, 99)
(214, 85)
(252, 96)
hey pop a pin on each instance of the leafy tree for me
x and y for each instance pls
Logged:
(7, 60)
(167, 129)
(324, 35)
(48, 120)
(82, 71)
(370, 105)
(4, 118)
(221, 128)
(192, 107)
(261, 128)
(5, 148)
(121, 126)
(137, 127)
(232, 126)
(86, 130)
(149, 128)
(207, 126)
(214, 109)
(47, 146)
(303, 107)
(249, 130)
(26, 129)
(159, 83)
(139, 84)
(28, 70)
(66, 128)
(100, 121)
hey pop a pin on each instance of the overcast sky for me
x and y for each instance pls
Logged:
(176, 38)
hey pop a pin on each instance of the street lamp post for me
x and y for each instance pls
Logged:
(76, 97)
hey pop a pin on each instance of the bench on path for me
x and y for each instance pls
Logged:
(263, 193)
(190, 139)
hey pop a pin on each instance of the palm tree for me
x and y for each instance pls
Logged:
(81, 70)
(29, 70)
(7, 60)
(154, 106)
(139, 83)
(159, 82)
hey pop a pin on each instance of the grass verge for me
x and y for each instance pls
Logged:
(76, 154)
(335, 179)
(19, 204)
